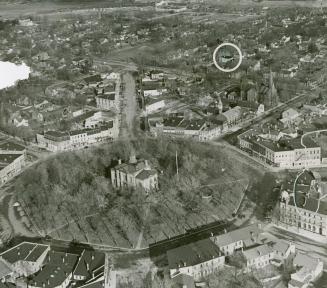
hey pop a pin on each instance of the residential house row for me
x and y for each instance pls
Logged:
(40, 266)
(193, 262)
(12, 160)
(94, 127)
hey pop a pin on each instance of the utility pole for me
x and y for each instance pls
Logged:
(176, 163)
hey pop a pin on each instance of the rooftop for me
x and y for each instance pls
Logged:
(24, 251)
(6, 159)
(11, 146)
(89, 262)
(310, 204)
(57, 267)
(145, 174)
(95, 284)
(283, 144)
(192, 254)
(245, 234)
(108, 96)
(258, 251)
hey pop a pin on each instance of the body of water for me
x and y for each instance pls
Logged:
(10, 73)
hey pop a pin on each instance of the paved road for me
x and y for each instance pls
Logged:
(129, 107)
(303, 244)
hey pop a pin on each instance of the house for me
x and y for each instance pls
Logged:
(282, 250)
(284, 153)
(90, 265)
(289, 117)
(25, 259)
(183, 281)
(56, 272)
(258, 257)
(20, 122)
(153, 88)
(135, 173)
(238, 239)
(56, 141)
(179, 126)
(197, 259)
(106, 101)
(231, 116)
(153, 105)
(308, 270)
(211, 131)
(102, 118)
(10, 165)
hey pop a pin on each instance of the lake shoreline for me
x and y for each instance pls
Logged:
(11, 73)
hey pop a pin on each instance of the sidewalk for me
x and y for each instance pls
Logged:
(303, 233)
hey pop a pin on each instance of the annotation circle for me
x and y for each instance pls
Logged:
(227, 44)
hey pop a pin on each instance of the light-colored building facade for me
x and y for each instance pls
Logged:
(57, 271)
(108, 97)
(288, 154)
(10, 166)
(25, 259)
(135, 174)
(308, 269)
(238, 239)
(198, 259)
(65, 141)
(309, 217)
(258, 257)
(154, 105)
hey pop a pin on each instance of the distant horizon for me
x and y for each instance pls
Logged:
(10, 73)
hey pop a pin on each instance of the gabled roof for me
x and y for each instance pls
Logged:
(280, 246)
(145, 174)
(89, 259)
(57, 267)
(192, 254)
(248, 234)
(258, 251)
(24, 251)
(131, 168)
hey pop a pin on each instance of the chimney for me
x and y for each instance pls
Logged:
(119, 161)
(132, 159)
(147, 166)
(87, 266)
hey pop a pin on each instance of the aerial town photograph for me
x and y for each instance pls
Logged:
(163, 143)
